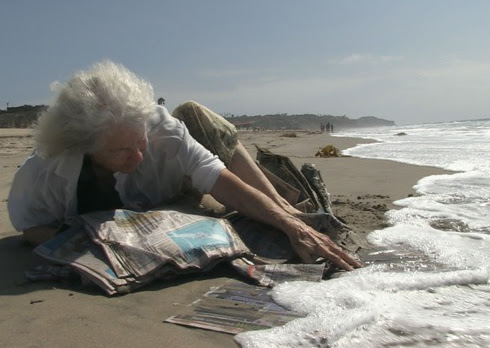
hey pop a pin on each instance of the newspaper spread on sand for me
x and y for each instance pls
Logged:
(271, 274)
(121, 250)
(138, 244)
(73, 247)
(234, 308)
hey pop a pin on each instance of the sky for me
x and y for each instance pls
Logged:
(410, 61)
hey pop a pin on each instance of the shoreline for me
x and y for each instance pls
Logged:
(60, 314)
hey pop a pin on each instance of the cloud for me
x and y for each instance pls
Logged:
(364, 59)
(215, 73)
(458, 69)
(280, 95)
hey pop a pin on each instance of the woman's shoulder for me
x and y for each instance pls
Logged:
(165, 132)
(62, 165)
(164, 123)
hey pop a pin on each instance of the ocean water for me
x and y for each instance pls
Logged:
(427, 281)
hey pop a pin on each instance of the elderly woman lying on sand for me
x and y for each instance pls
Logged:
(105, 144)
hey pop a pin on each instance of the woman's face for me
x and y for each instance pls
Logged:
(122, 149)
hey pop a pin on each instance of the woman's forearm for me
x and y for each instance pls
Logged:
(39, 234)
(235, 194)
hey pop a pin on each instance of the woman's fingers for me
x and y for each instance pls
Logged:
(332, 247)
(345, 256)
(312, 245)
(310, 256)
(339, 258)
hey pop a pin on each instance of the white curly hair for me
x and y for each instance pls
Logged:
(89, 105)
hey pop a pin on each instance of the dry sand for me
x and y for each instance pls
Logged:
(51, 314)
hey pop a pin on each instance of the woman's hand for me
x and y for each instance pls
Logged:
(311, 245)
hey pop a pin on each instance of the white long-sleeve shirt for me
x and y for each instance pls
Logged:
(44, 191)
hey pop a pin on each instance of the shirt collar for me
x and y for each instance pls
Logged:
(69, 165)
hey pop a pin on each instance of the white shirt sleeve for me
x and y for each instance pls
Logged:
(196, 161)
(43, 192)
(199, 163)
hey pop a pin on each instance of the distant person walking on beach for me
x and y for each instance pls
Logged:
(104, 144)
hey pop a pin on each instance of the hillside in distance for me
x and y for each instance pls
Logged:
(306, 122)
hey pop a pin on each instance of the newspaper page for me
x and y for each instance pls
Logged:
(234, 308)
(73, 247)
(138, 244)
(271, 274)
(121, 250)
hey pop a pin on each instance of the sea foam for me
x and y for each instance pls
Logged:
(382, 308)
(427, 281)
